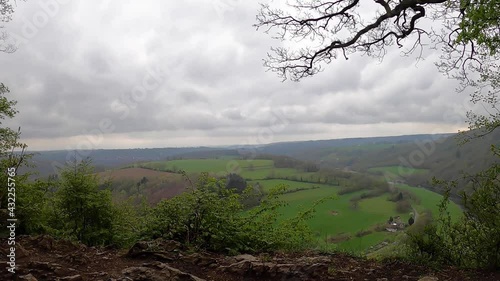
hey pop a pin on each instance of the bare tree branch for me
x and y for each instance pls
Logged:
(326, 23)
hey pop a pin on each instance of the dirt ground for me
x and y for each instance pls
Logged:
(44, 258)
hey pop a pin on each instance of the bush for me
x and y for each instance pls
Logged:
(403, 206)
(427, 247)
(214, 221)
(474, 239)
(79, 209)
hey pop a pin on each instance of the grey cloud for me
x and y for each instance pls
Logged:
(83, 65)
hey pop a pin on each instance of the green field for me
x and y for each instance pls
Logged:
(337, 217)
(396, 172)
(292, 185)
(248, 169)
(430, 200)
(210, 165)
(333, 218)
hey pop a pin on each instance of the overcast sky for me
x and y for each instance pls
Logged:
(125, 74)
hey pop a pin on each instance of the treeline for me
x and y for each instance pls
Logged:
(289, 162)
(78, 206)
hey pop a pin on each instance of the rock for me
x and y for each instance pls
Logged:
(72, 278)
(28, 277)
(319, 259)
(240, 268)
(164, 247)
(245, 257)
(61, 271)
(314, 270)
(382, 279)
(38, 265)
(198, 259)
(165, 273)
(45, 242)
(261, 269)
(428, 278)
(21, 252)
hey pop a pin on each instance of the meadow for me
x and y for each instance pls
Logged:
(396, 172)
(249, 169)
(336, 222)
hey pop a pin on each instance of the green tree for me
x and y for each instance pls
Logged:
(210, 217)
(411, 221)
(237, 182)
(469, 41)
(12, 151)
(85, 212)
(475, 238)
(29, 198)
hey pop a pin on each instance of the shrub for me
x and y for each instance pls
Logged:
(80, 210)
(474, 239)
(215, 221)
(403, 206)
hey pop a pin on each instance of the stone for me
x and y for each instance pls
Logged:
(21, 252)
(198, 259)
(72, 278)
(245, 257)
(165, 248)
(165, 273)
(28, 277)
(429, 278)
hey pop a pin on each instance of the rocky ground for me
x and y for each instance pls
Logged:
(43, 258)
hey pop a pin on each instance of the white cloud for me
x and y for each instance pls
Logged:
(93, 54)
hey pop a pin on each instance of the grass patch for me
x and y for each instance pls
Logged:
(396, 172)
(293, 185)
(429, 200)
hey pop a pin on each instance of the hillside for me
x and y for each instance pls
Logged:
(138, 183)
(46, 162)
(444, 159)
(354, 221)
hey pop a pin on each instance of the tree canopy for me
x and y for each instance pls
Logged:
(6, 11)
(316, 32)
(344, 27)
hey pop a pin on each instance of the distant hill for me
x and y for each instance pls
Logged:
(46, 161)
(444, 159)
(302, 149)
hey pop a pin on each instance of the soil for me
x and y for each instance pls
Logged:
(44, 258)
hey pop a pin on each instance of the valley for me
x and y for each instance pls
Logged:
(356, 204)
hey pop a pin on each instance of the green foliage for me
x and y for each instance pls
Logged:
(81, 210)
(237, 182)
(9, 143)
(472, 241)
(128, 222)
(33, 206)
(480, 23)
(205, 219)
(403, 206)
(426, 246)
